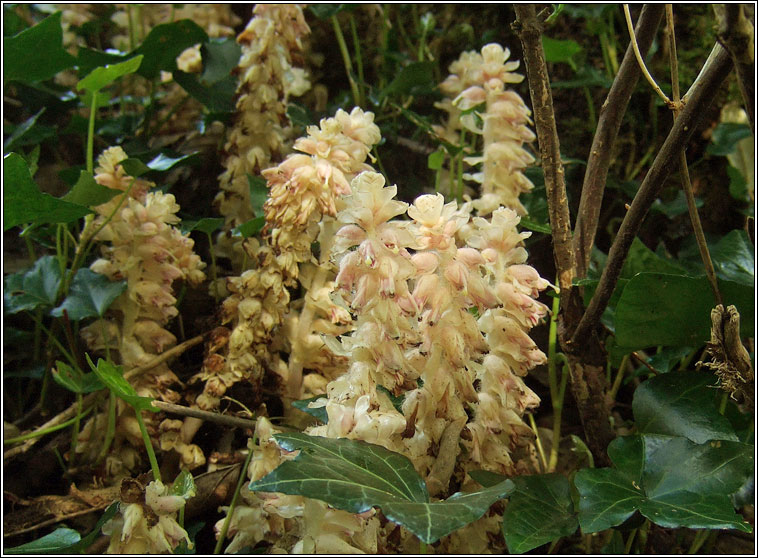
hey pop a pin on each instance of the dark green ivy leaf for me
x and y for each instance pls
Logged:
(90, 295)
(414, 79)
(38, 286)
(24, 203)
(206, 225)
(89, 193)
(670, 480)
(726, 136)
(164, 43)
(220, 57)
(37, 53)
(258, 193)
(559, 51)
(249, 228)
(53, 543)
(81, 546)
(103, 76)
(318, 412)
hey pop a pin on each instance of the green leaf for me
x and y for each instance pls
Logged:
(299, 115)
(325, 11)
(258, 193)
(163, 162)
(733, 258)
(435, 159)
(220, 57)
(348, 475)
(681, 404)
(249, 228)
(414, 79)
(164, 43)
(641, 259)
(205, 225)
(113, 378)
(89, 193)
(527, 223)
(675, 207)
(103, 76)
(90, 295)
(29, 289)
(87, 59)
(53, 543)
(737, 184)
(586, 76)
(19, 131)
(134, 167)
(217, 97)
(559, 51)
(86, 542)
(660, 309)
(615, 545)
(356, 476)
(75, 380)
(12, 22)
(183, 485)
(726, 136)
(539, 511)
(667, 359)
(432, 521)
(318, 412)
(37, 53)
(396, 400)
(671, 481)
(24, 203)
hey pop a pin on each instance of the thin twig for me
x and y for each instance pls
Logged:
(218, 418)
(640, 61)
(699, 97)
(599, 159)
(697, 226)
(90, 399)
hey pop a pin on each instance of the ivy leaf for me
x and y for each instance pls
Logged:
(217, 97)
(90, 295)
(163, 162)
(540, 510)
(89, 193)
(134, 167)
(356, 476)
(164, 43)
(249, 228)
(733, 258)
(670, 480)
(681, 404)
(299, 115)
(16, 137)
(37, 53)
(38, 286)
(325, 11)
(183, 485)
(726, 136)
(53, 543)
(674, 310)
(414, 79)
(432, 521)
(103, 76)
(24, 203)
(220, 57)
(396, 400)
(318, 412)
(86, 542)
(435, 160)
(75, 380)
(113, 378)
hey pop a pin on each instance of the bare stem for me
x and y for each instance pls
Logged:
(218, 418)
(640, 61)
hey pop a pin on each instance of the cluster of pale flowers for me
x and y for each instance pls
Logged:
(271, 46)
(141, 246)
(303, 193)
(482, 79)
(443, 303)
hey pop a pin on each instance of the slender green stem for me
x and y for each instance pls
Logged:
(556, 392)
(619, 376)
(346, 60)
(358, 58)
(228, 519)
(640, 61)
(45, 431)
(110, 431)
(59, 458)
(214, 274)
(75, 429)
(148, 446)
(55, 341)
(30, 249)
(91, 134)
(459, 170)
(538, 442)
(630, 541)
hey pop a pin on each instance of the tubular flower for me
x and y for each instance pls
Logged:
(271, 51)
(478, 79)
(303, 198)
(142, 247)
(147, 524)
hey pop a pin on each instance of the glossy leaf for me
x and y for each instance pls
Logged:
(218, 96)
(318, 412)
(674, 310)
(681, 404)
(356, 476)
(113, 378)
(86, 541)
(164, 43)
(432, 521)
(670, 480)
(207, 225)
(733, 258)
(163, 162)
(90, 295)
(675, 207)
(16, 137)
(37, 53)
(348, 475)
(89, 193)
(258, 189)
(103, 76)
(183, 485)
(726, 136)
(29, 289)
(249, 228)
(134, 167)
(24, 203)
(540, 510)
(53, 543)
(75, 380)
